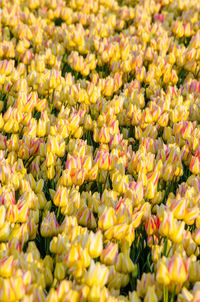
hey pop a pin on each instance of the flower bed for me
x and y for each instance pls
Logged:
(100, 150)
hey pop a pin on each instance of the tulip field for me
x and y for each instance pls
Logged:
(100, 150)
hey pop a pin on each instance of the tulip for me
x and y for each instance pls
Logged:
(86, 217)
(117, 232)
(5, 232)
(150, 225)
(155, 251)
(107, 219)
(95, 244)
(185, 295)
(178, 207)
(52, 296)
(142, 285)
(94, 293)
(115, 282)
(133, 297)
(49, 225)
(109, 254)
(196, 236)
(61, 197)
(63, 287)
(124, 264)
(195, 165)
(151, 294)
(49, 276)
(162, 274)
(96, 275)
(167, 225)
(177, 236)
(2, 215)
(71, 296)
(178, 269)
(6, 267)
(191, 215)
(59, 272)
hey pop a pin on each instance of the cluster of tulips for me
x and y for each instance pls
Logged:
(100, 150)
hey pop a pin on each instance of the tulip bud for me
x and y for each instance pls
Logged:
(59, 272)
(6, 267)
(109, 254)
(151, 295)
(178, 269)
(97, 274)
(5, 232)
(49, 225)
(95, 244)
(2, 215)
(48, 276)
(162, 274)
(94, 293)
(52, 296)
(107, 219)
(133, 297)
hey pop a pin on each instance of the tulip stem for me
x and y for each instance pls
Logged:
(58, 213)
(165, 293)
(173, 294)
(165, 247)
